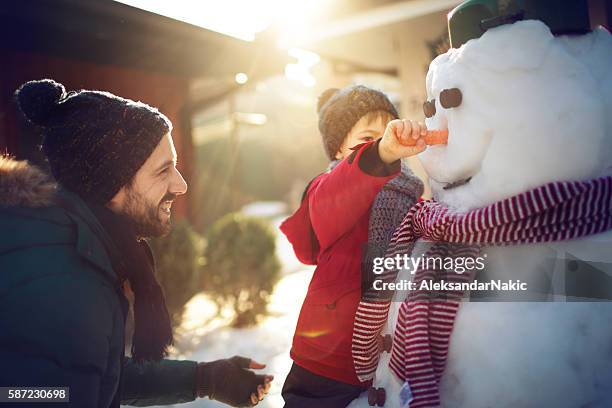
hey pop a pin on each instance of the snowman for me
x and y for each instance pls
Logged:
(528, 114)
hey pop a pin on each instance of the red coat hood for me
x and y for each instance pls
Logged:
(298, 230)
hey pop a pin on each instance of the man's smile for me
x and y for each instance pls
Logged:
(165, 207)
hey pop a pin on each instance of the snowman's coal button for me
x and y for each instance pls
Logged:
(377, 397)
(429, 108)
(372, 395)
(451, 98)
(381, 397)
(388, 343)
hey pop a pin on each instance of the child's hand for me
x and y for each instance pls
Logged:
(396, 142)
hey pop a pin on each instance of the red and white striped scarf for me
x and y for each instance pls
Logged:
(553, 212)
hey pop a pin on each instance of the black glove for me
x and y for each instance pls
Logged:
(229, 381)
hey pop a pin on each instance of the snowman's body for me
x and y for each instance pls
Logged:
(546, 354)
(536, 109)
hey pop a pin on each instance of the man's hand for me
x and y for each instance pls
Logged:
(396, 141)
(261, 389)
(230, 381)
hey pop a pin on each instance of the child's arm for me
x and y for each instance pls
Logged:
(346, 194)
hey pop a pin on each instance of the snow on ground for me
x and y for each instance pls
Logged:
(204, 337)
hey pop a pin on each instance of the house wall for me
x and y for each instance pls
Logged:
(413, 58)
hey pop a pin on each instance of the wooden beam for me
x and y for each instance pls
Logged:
(378, 17)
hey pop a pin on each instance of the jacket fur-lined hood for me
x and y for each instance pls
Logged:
(25, 185)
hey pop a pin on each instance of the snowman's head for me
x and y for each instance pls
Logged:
(522, 108)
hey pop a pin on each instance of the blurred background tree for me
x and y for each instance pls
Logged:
(179, 261)
(241, 266)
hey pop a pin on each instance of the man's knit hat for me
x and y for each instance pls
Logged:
(95, 142)
(340, 109)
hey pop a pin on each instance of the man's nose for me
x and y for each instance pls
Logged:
(178, 186)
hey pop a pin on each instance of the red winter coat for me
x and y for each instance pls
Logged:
(330, 230)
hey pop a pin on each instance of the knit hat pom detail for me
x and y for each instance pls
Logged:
(326, 96)
(37, 99)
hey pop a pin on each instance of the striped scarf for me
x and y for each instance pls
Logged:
(553, 212)
(388, 210)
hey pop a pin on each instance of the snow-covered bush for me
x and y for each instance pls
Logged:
(241, 265)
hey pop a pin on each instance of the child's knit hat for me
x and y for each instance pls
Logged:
(95, 142)
(340, 109)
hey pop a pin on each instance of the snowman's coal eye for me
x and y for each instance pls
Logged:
(450, 98)
(429, 108)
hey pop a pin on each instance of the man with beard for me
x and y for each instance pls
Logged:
(69, 244)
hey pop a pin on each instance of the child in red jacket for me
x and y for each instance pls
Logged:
(363, 138)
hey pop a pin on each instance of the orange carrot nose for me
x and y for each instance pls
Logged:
(433, 137)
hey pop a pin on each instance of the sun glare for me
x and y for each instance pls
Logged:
(242, 19)
(290, 20)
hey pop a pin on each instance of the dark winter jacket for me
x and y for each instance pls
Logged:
(330, 230)
(62, 308)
